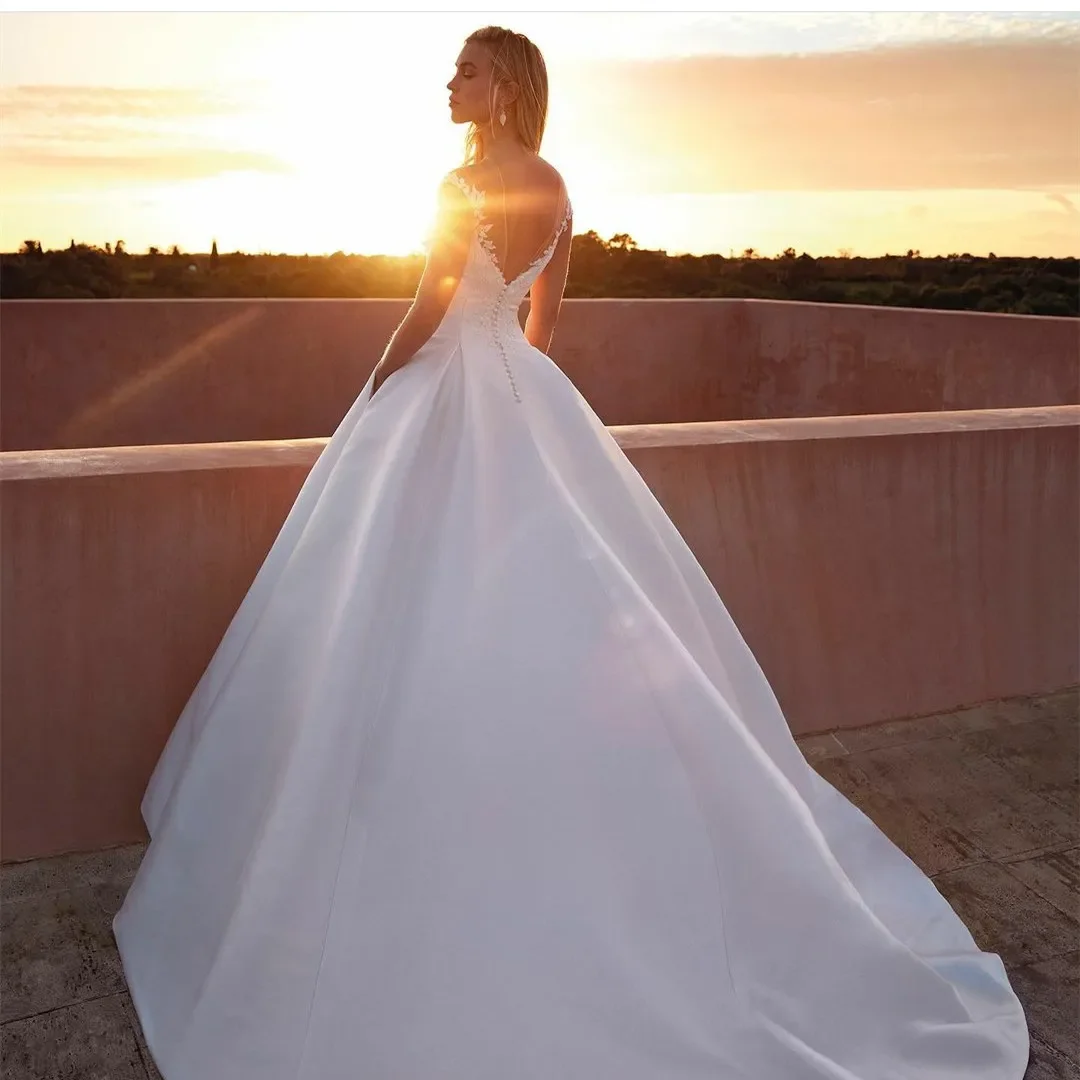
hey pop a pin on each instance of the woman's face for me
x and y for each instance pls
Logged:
(470, 86)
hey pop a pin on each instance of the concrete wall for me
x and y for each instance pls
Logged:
(878, 567)
(834, 359)
(116, 372)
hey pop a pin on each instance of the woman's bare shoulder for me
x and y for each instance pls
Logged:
(533, 172)
(547, 168)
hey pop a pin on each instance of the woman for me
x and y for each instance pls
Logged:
(482, 782)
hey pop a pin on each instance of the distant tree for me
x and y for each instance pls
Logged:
(598, 268)
(214, 251)
(845, 253)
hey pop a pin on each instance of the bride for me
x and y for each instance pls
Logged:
(482, 782)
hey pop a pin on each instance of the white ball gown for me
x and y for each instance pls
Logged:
(483, 783)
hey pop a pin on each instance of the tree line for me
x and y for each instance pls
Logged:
(616, 267)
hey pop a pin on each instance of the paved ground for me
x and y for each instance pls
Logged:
(985, 800)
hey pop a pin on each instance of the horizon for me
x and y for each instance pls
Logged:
(165, 251)
(694, 134)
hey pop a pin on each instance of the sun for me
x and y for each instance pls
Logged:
(362, 140)
(359, 136)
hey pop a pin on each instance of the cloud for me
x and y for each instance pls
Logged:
(974, 115)
(940, 27)
(996, 113)
(65, 137)
(30, 103)
(90, 170)
(1065, 203)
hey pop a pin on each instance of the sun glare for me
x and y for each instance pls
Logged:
(324, 132)
(361, 140)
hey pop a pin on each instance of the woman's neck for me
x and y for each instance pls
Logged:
(506, 148)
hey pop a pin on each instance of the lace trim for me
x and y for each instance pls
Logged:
(483, 228)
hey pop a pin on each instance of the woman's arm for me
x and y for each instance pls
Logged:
(546, 295)
(447, 251)
(413, 332)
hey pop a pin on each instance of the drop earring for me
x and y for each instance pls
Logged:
(502, 118)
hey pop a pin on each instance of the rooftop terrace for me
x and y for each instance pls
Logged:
(888, 502)
(984, 799)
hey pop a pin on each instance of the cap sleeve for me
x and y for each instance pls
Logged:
(455, 203)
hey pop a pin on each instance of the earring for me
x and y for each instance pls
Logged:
(502, 118)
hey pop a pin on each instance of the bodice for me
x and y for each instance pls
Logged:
(485, 302)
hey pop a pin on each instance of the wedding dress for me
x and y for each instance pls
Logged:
(482, 783)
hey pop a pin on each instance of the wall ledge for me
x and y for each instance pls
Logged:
(279, 453)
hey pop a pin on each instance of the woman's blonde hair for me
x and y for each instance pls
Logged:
(514, 59)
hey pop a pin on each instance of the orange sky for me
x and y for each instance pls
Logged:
(691, 132)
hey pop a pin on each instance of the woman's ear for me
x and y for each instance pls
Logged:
(510, 92)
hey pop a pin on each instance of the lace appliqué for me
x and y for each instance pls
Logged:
(483, 236)
(483, 228)
(476, 200)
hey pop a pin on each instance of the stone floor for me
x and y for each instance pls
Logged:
(985, 800)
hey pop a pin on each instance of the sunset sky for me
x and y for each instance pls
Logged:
(693, 133)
